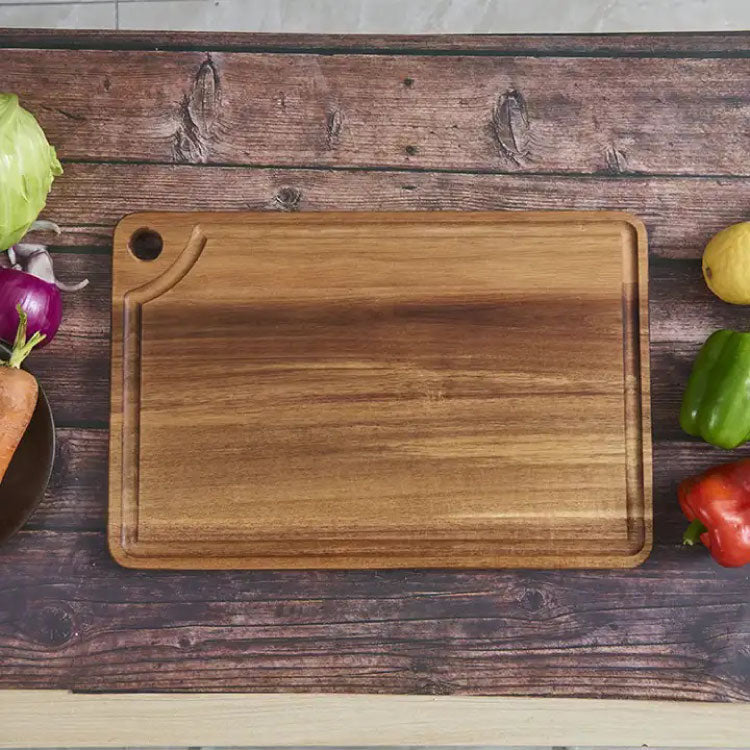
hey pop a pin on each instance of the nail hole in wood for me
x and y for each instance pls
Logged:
(146, 244)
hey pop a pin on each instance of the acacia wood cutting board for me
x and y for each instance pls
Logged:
(375, 390)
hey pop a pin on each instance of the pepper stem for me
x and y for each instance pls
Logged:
(21, 347)
(693, 533)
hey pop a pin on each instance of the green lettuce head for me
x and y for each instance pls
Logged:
(28, 164)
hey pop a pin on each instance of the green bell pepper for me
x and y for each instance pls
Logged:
(716, 404)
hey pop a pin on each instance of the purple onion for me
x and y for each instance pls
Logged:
(27, 278)
(40, 300)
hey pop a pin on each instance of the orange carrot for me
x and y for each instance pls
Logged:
(18, 393)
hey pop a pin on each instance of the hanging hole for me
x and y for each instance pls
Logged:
(146, 244)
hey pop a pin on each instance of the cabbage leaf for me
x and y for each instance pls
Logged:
(28, 165)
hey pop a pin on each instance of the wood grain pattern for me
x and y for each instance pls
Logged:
(678, 627)
(75, 498)
(74, 619)
(447, 113)
(381, 390)
(682, 311)
(681, 213)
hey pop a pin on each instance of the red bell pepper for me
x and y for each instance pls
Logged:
(717, 503)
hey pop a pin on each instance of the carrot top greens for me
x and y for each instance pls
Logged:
(21, 347)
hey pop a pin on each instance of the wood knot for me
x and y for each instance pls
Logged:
(411, 150)
(408, 82)
(334, 121)
(288, 198)
(50, 625)
(198, 112)
(532, 600)
(617, 162)
(510, 125)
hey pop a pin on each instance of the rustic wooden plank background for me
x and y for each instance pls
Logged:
(653, 124)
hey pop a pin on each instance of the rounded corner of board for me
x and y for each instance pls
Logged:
(634, 224)
(120, 553)
(639, 555)
(130, 221)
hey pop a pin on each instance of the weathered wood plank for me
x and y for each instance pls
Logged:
(76, 497)
(681, 214)
(677, 628)
(684, 308)
(724, 43)
(458, 113)
(670, 369)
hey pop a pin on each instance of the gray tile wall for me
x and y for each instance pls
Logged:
(411, 747)
(383, 16)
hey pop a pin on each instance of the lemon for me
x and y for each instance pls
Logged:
(726, 264)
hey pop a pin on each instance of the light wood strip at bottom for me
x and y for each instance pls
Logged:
(38, 718)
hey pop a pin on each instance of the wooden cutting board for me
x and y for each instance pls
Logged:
(375, 390)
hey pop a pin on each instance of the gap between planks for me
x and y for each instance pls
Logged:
(603, 174)
(125, 40)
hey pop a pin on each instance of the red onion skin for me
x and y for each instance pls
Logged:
(40, 300)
